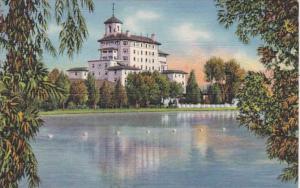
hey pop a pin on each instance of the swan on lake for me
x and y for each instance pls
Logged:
(50, 136)
(174, 131)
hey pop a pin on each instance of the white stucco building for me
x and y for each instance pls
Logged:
(78, 73)
(122, 53)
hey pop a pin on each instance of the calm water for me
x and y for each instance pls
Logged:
(208, 149)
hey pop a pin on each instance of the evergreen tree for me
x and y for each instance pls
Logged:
(93, 92)
(78, 93)
(106, 95)
(193, 94)
(120, 96)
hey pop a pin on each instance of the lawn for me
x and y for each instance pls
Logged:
(128, 110)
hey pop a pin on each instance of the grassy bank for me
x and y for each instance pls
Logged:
(128, 110)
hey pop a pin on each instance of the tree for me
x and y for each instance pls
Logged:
(93, 92)
(120, 96)
(234, 75)
(214, 70)
(176, 90)
(269, 105)
(53, 75)
(23, 37)
(78, 93)
(163, 86)
(134, 82)
(214, 94)
(63, 82)
(193, 94)
(142, 89)
(106, 95)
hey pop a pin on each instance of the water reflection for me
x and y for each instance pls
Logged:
(147, 153)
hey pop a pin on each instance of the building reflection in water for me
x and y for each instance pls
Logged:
(135, 153)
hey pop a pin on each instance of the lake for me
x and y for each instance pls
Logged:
(152, 150)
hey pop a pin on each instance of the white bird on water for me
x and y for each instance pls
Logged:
(148, 131)
(174, 131)
(85, 134)
(118, 133)
(224, 129)
(50, 136)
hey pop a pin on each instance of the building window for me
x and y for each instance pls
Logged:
(152, 60)
(153, 53)
(125, 43)
(125, 58)
(105, 72)
(93, 74)
(141, 59)
(141, 52)
(133, 58)
(141, 66)
(146, 67)
(115, 79)
(118, 28)
(105, 65)
(133, 51)
(141, 44)
(115, 72)
(104, 51)
(146, 60)
(75, 73)
(125, 50)
(152, 67)
(99, 73)
(146, 53)
(110, 29)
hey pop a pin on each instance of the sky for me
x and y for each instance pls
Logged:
(188, 30)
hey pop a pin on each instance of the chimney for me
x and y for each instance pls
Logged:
(127, 33)
(153, 36)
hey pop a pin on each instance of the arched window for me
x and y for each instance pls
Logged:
(110, 29)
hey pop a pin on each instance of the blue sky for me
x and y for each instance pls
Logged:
(186, 29)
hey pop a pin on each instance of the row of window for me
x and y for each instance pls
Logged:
(137, 44)
(141, 60)
(125, 43)
(146, 52)
(109, 57)
(93, 65)
(109, 51)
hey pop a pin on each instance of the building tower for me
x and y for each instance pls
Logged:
(113, 25)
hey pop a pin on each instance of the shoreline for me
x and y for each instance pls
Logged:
(131, 110)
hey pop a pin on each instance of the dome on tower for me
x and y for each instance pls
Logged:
(113, 19)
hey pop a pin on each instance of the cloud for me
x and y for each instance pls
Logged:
(134, 21)
(187, 32)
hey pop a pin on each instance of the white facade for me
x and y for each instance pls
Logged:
(78, 73)
(177, 76)
(121, 53)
